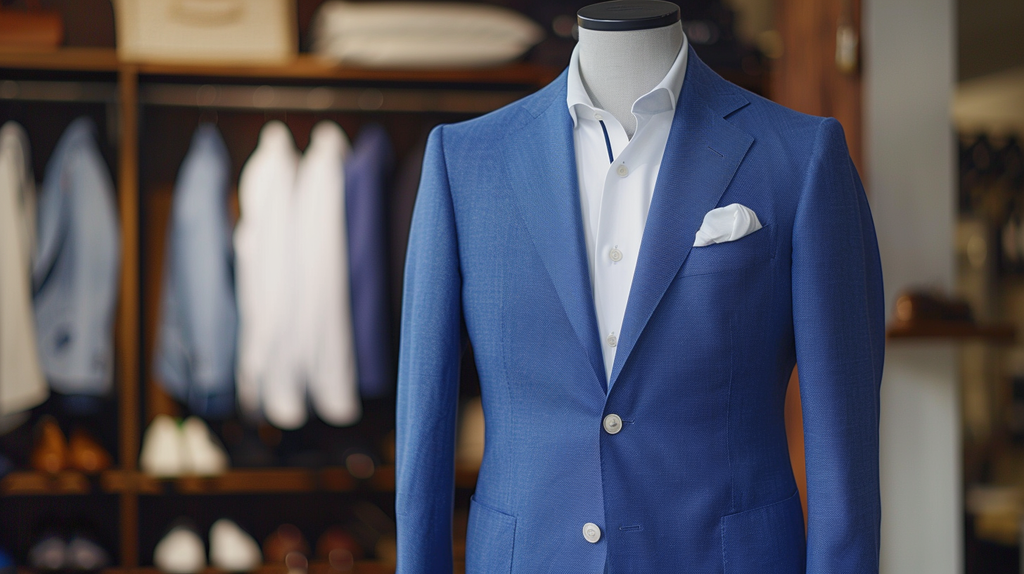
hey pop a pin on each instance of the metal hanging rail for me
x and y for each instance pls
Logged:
(58, 91)
(270, 98)
(319, 99)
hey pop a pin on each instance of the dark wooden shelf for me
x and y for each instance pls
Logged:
(361, 567)
(31, 483)
(304, 67)
(956, 330)
(235, 481)
(63, 59)
(251, 481)
(309, 67)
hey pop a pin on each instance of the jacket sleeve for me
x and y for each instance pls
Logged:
(428, 375)
(838, 318)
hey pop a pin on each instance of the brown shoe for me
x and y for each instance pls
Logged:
(282, 542)
(339, 548)
(50, 453)
(86, 454)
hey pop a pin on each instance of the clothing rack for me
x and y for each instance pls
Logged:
(96, 76)
(58, 91)
(266, 97)
(320, 98)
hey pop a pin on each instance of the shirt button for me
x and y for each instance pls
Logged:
(612, 340)
(598, 117)
(612, 424)
(591, 532)
(615, 255)
(622, 170)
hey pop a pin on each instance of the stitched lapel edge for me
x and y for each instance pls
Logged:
(541, 162)
(703, 152)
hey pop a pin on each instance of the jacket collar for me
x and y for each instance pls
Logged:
(701, 156)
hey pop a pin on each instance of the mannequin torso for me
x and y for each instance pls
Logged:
(617, 67)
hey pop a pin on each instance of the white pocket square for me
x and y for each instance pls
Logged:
(727, 223)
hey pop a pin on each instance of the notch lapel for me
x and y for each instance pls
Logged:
(541, 162)
(701, 156)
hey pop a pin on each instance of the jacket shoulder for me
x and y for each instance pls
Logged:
(484, 131)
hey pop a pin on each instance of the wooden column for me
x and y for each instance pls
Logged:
(128, 323)
(807, 78)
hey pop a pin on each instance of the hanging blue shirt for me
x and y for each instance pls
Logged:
(75, 274)
(195, 352)
(366, 171)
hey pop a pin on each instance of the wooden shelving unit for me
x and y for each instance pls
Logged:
(953, 330)
(361, 567)
(62, 60)
(235, 481)
(303, 67)
(127, 83)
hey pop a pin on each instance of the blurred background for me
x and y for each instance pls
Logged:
(138, 134)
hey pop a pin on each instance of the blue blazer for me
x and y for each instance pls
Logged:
(699, 479)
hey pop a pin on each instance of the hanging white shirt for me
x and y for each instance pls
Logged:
(616, 178)
(22, 385)
(323, 341)
(264, 281)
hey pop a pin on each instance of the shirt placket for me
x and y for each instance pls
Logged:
(614, 246)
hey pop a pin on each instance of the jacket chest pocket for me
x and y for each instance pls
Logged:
(750, 250)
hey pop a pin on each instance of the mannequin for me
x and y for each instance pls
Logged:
(626, 48)
(660, 445)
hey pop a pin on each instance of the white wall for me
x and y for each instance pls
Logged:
(909, 77)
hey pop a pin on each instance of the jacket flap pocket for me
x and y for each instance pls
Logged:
(489, 540)
(766, 539)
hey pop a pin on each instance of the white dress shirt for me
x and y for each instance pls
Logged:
(295, 342)
(22, 385)
(616, 178)
(264, 281)
(323, 340)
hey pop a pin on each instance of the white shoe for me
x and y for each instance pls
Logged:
(48, 554)
(162, 454)
(180, 552)
(84, 554)
(202, 453)
(232, 549)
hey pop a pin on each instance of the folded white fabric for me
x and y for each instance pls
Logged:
(727, 223)
(420, 35)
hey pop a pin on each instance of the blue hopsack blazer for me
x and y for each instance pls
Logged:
(698, 479)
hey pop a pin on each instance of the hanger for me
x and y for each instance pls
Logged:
(207, 116)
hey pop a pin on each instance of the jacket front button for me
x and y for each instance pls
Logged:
(612, 424)
(591, 532)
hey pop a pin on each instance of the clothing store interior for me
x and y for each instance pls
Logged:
(205, 209)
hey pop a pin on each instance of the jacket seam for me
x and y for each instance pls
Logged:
(728, 417)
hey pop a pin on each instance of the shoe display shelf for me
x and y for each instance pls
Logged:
(143, 102)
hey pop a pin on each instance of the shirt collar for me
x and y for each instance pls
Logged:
(650, 103)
